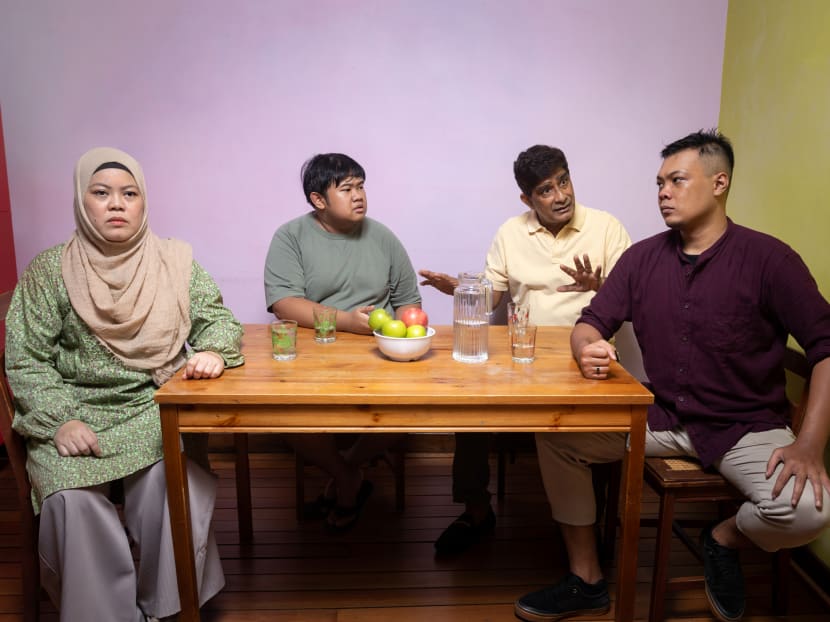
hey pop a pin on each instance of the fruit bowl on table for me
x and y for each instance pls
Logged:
(404, 348)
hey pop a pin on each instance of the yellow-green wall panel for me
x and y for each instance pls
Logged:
(775, 106)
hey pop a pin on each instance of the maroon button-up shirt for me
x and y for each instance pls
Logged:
(713, 333)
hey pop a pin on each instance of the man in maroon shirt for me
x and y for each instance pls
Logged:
(712, 304)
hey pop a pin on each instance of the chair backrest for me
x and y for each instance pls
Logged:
(16, 450)
(15, 444)
(5, 299)
(796, 363)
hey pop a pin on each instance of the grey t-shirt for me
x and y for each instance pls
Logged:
(367, 267)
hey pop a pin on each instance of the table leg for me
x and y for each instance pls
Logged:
(179, 506)
(244, 518)
(630, 531)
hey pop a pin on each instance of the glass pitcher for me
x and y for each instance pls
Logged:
(472, 308)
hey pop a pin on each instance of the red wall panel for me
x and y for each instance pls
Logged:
(8, 268)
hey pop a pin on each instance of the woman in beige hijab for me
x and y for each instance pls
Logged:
(94, 327)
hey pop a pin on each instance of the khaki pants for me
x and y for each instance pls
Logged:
(564, 459)
(85, 558)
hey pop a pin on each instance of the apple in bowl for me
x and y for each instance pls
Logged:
(413, 316)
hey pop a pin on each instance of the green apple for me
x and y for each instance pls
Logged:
(378, 318)
(393, 328)
(416, 330)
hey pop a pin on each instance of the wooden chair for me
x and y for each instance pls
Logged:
(243, 485)
(682, 479)
(398, 456)
(16, 450)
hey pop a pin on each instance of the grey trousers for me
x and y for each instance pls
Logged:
(85, 558)
(771, 524)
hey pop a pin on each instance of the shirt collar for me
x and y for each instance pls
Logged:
(576, 223)
(710, 252)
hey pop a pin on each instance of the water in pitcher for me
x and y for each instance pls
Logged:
(471, 318)
(469, 341)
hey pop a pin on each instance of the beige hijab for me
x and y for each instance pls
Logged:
(134, 295)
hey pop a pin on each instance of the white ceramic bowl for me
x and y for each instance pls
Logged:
(405, 348)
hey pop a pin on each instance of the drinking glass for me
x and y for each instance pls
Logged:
(325, 324)
(284, 340)
(516, 315)
(523, 343)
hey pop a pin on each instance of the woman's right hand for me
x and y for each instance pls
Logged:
(75, 438)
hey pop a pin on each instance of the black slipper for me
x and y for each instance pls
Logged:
(350, 514)
(463, 533)
(319, 508)
(322, 505)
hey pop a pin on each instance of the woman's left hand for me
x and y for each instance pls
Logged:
(204, 365)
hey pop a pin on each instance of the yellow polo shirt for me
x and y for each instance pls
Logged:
(525, 259)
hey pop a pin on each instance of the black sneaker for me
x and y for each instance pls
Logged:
(463, 533)
(724, 579)
(570, 597)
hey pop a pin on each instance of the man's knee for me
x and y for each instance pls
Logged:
(810, 521)
(777, 524)
(581, 448)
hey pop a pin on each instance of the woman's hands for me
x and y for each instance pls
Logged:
(205, 365)
(75, 438)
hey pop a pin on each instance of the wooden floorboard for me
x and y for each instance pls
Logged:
(385, 569)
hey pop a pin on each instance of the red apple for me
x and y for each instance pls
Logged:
(413, 316)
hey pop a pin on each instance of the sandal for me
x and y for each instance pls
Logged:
(351, 514)
(322, 505)
(463, 533)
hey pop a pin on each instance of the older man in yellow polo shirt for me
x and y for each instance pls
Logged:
(530, 258)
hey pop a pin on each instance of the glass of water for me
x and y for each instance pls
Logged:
(284, 340)
(523, 343)
(325, 324)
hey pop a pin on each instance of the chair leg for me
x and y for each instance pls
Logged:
(244, 514)
(299, 486)
(661, 558)
(606, 483)
(612, 511)
(400, 479)
(781, 582)
(31, 569)
(500, 473)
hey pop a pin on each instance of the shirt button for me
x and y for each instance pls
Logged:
(681, 399)
(681, 371)
(686, 305)
(684, 338)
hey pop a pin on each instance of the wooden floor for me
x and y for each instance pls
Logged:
(385, 570)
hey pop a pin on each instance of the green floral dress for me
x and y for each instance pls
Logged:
(58, 371)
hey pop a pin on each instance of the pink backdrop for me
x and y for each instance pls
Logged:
(222, 102)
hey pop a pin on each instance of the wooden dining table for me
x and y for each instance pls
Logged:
(350, 386)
